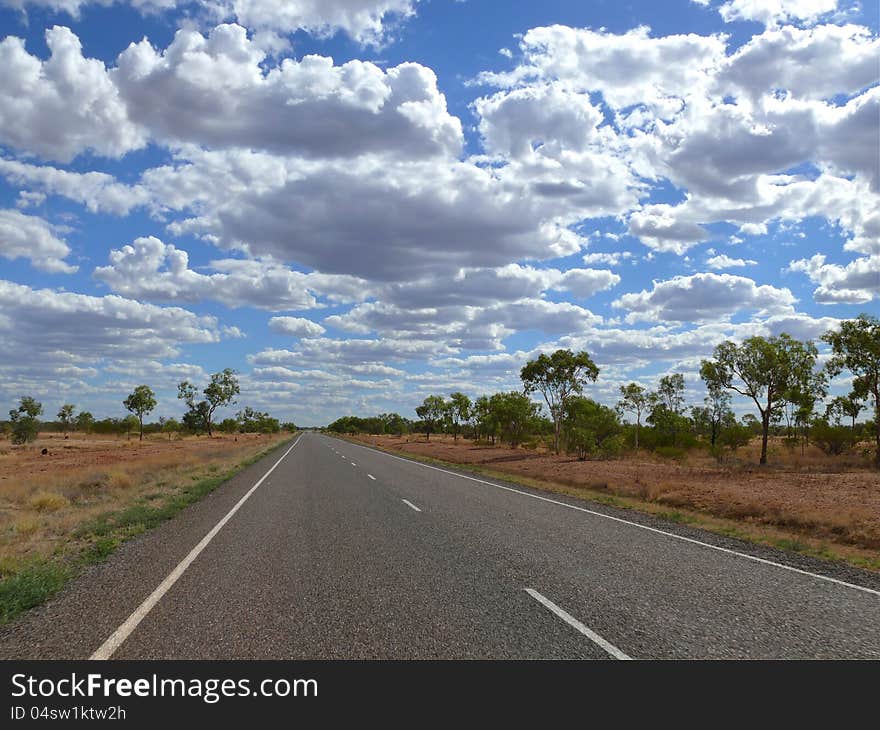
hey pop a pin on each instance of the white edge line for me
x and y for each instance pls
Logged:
(106, 650)
(691, 540)
(572, 621)
(406, 501)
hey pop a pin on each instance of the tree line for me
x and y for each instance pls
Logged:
(778, 375)
(24, 421)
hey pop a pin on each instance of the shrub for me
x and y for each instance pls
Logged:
(47, 502)
(833, 440)
(671, 452)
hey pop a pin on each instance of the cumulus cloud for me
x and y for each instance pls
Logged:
(775, 12)
(64, 105)
(658, 228)
(611, 259)
(723, 261)
(703, 297)
(218, 90)
(627, 69)
(296, 327)
(373, 218)
(51, 326)
(150, 269)
(366, 21)
(97, 191)
(856, 283)
(30, 237)
(812, 63)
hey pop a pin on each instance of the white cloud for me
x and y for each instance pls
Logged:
(43, 325)
(813, 63)
(704, 297)
(30, 237)
(219, 91)
(296, 327)
(366, 21)
(63, 106)
(151, 269)
(658, 228)
(611, 259)
(97, 191)
(856, 283)
(514, 123)
(723, 261)
(629, 68)
(371, 217)
(775, 12)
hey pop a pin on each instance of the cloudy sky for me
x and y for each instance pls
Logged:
(356, 203)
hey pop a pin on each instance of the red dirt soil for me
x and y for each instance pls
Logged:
(839, 506)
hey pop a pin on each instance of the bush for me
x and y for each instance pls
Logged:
(735, 436)
(591, 428)
(24, 429)
(671, 452)
(833, 440)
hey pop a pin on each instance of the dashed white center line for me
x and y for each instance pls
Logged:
(371, 477)
(353, 464)
(410, 504)
(572, 621)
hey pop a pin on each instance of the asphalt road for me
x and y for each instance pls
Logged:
(343, 552)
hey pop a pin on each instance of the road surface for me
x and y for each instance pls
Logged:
(331, 550)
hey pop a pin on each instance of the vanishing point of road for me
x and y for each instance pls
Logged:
(327, 549)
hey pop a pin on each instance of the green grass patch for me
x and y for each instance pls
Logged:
(29, 585)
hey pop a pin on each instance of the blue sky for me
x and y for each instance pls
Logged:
(356, 203)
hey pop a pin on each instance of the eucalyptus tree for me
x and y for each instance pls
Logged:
(856, 347)
(765, 370)
(558, 377)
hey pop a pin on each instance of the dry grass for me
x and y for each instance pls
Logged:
(830, 504)
(46, 499)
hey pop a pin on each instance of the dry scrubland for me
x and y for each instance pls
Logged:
(74, 504)
(813, 503)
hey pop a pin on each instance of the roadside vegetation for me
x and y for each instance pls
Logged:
(72, 490)
(799, 463)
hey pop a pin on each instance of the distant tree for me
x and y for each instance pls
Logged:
(591, 428)
(763, 369)
(128, 424)
(484, 420)
(249, 420)
(709, 418)
(24, 420)
(459, 412)
(515, 414)
(856, 347)
(220, 392)
(735, 435)
(65, 417)
(666, 406)
(228, 425)
(140, 402)
(634, 398)
(843, 407)
(432, 412)
(557, 377)
(85, 421)
(195, 420)
(832, 439)
(169, 426)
